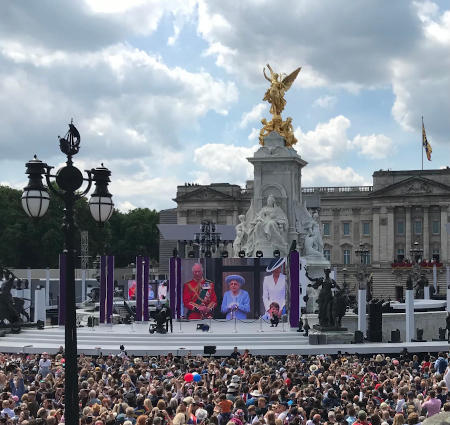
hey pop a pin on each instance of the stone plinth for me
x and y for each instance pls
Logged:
(331, 337)
(278, 172)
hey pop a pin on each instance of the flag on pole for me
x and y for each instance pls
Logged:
(425, 143)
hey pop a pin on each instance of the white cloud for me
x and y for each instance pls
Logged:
(223, 163)
(131, 100)
(326, 142)
(325, 102)
(375, 146)
(329, 175)
(254, 134)
(351, 49)
(255, 114)
(329, 141)
(125, 206)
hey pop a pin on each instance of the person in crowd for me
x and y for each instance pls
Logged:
(235, 354)
(234, 390)
(432, 404)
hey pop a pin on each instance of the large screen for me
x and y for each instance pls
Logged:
(157, 289)
(241, 288)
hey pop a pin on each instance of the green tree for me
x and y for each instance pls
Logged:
(36, 243)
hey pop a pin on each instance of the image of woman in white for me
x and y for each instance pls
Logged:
(274, 286)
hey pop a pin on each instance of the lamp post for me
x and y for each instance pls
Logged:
(416, 252)
(207, 239)
(361, 269)
(35, 201)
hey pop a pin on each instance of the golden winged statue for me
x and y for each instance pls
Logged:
(278, 87)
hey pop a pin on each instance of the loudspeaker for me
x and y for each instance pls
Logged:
(209, 349)
(395, 336)
(359, 337)
(375, 325)
(317, 339)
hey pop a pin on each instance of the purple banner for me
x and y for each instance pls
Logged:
(294, 273)
(146, 286)
(172, 288)
(109, 288)
(139, 289)
(102, 289)
(62, 289)
(179, 288)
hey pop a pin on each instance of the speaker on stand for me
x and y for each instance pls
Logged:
(375, 328)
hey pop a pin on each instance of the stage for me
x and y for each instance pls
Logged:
(137, 340)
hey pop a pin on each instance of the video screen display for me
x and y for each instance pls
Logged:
(157, 290)
(241, 288)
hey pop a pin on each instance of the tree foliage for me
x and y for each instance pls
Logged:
(26, 242)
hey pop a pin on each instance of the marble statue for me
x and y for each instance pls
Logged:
(267, 228)
(241, 236)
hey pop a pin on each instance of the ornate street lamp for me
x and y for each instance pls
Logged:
(362, 252)
(207, 239)
(361, 269)
(35, 202)
(416, 252)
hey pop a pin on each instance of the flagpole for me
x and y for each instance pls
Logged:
(422, 143)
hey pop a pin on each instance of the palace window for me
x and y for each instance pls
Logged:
(346, 229)
(435, 227)
(366, 228)
(326, 229)
(400, 227)
(418, 227)
(327, 254)
(347, 256)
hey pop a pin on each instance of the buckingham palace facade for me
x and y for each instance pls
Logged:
(400, 209)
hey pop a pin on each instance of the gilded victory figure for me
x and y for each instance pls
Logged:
(279, 85)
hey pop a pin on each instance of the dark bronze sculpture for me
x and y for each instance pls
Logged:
(421, 283)
(331, 308)
(10, 307)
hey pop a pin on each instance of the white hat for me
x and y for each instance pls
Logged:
(256, 393)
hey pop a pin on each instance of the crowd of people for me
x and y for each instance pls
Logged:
(239, 389)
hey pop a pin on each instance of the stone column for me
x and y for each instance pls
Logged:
(376, 234)
(426, 234)
(362, 323)
(47, 286)
(39, 305)
(448, 287)
(408, 231)
(390, 234)
(409, 310)
(444, 235)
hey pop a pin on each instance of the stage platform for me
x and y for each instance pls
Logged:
(137, 340)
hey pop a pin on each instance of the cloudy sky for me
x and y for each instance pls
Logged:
(166, 92)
